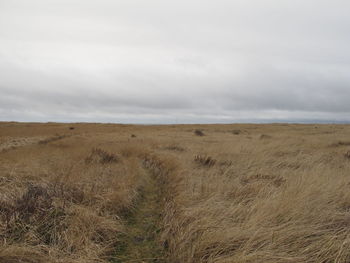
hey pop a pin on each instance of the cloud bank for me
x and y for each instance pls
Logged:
(156, 61)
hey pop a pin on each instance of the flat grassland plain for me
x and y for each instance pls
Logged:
(174, 193)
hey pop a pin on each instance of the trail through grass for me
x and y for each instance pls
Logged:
(140, 241)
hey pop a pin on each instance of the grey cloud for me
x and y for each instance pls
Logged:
(186, 61)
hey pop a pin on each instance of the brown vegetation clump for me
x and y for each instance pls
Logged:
(98, 155)
(199, 132)
(48, 220)
(236, 132)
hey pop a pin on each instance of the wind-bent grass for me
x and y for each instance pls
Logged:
(241, 193)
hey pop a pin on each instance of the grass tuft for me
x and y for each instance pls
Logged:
(204, 160)
(98, 155)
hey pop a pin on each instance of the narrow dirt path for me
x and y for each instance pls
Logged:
(140, 242)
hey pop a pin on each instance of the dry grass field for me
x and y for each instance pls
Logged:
(177, 193)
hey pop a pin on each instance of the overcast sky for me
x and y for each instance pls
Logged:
(160, 61)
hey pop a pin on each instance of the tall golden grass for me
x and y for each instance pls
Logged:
(61, 201)
(281, 197)
(241, 193)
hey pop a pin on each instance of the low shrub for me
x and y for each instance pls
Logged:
(199, 132)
